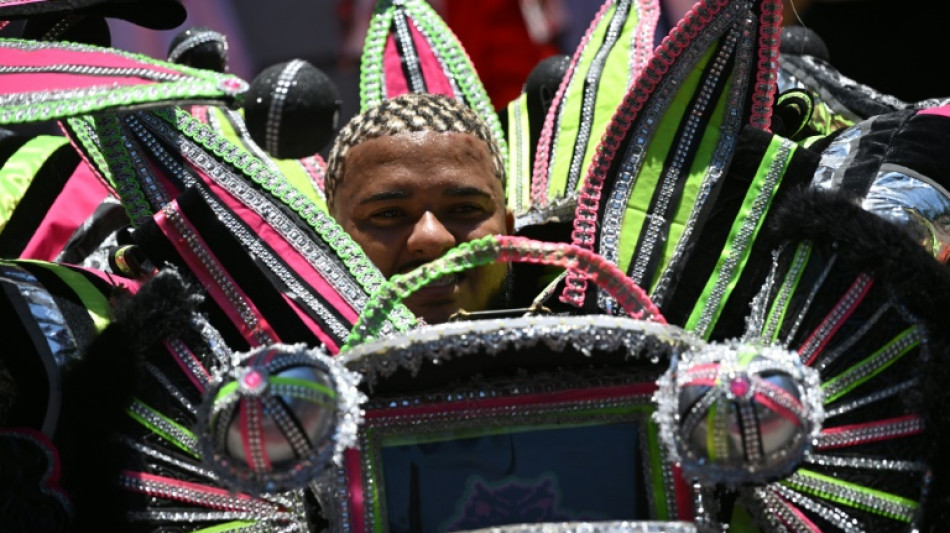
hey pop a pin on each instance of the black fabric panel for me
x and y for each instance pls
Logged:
(33, 207)
(10, 142)
(245, 271)
(923, 144)
(872, 148)
(30, 393)
(162, 253)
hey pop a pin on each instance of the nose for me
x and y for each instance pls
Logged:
(430, 238)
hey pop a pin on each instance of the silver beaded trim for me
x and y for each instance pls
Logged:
(275, 113)
(594, 527)
(198, 39)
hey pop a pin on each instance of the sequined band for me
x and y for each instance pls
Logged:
(835, 318)
(853, 435)
(285, 81)
(164, 427)
(196, 40)
(866, 369)
(211, 497)
(852, 495)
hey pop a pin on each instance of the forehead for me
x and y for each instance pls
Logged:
(419, 157)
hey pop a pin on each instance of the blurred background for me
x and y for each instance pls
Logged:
(896, 47)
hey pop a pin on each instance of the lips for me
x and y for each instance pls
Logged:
(445, 281)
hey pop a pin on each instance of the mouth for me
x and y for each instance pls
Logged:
(445, 281)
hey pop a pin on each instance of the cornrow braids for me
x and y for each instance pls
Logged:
(407, 113)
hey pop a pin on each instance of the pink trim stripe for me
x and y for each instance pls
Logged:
(684, 496)
(42, 82)
(942, 111)
(886, 431)
(192, 487)
(836, 324)
(80, 197)
(198, 381)
(798, 514)
(352, 464)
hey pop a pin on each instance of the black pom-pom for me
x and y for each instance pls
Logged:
(292, 109)
(799, 40)
(200, 47)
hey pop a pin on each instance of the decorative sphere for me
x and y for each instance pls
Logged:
(737, 413)
(270, 423)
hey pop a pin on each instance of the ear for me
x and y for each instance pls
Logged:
(510, 221)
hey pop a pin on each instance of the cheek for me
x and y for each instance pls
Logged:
(381, 251)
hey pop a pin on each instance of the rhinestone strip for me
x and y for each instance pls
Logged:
(211, 497)
(410, 58)
(780, 304)
(865, 463)
(744, 237)
(300, 444)
(784, 517)
(806, 306)
(163, 457)
(253, 435)
(825, 359)
(591, 86)
(835, 318)
(275, 112)
(170, 388)
(857, 434)
(673, 176)
(870, 367)
(91, 70)
(186, 360)
(166, 427)
(198, 39)
(836, 517)
(875, 396)
(595, 527)
(721, 156)
(214, 272)
(853, 495)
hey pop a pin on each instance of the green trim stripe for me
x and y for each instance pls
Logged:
(95, 302)
(19, 169)
(648, 177)
(861, 497)
(861, 368)
(739, 244)
(160, 432)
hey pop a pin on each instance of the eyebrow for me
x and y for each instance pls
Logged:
(453, 192)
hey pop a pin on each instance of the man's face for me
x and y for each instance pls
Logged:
(406, 199)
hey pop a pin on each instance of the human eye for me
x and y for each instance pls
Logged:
(387, 216)
(466, 210)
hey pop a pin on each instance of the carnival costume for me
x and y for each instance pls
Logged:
(735, 279)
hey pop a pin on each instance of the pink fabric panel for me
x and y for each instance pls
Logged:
(436, 80)
(79, 199)
(12, 56)
(22, 83)
(395, 80)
